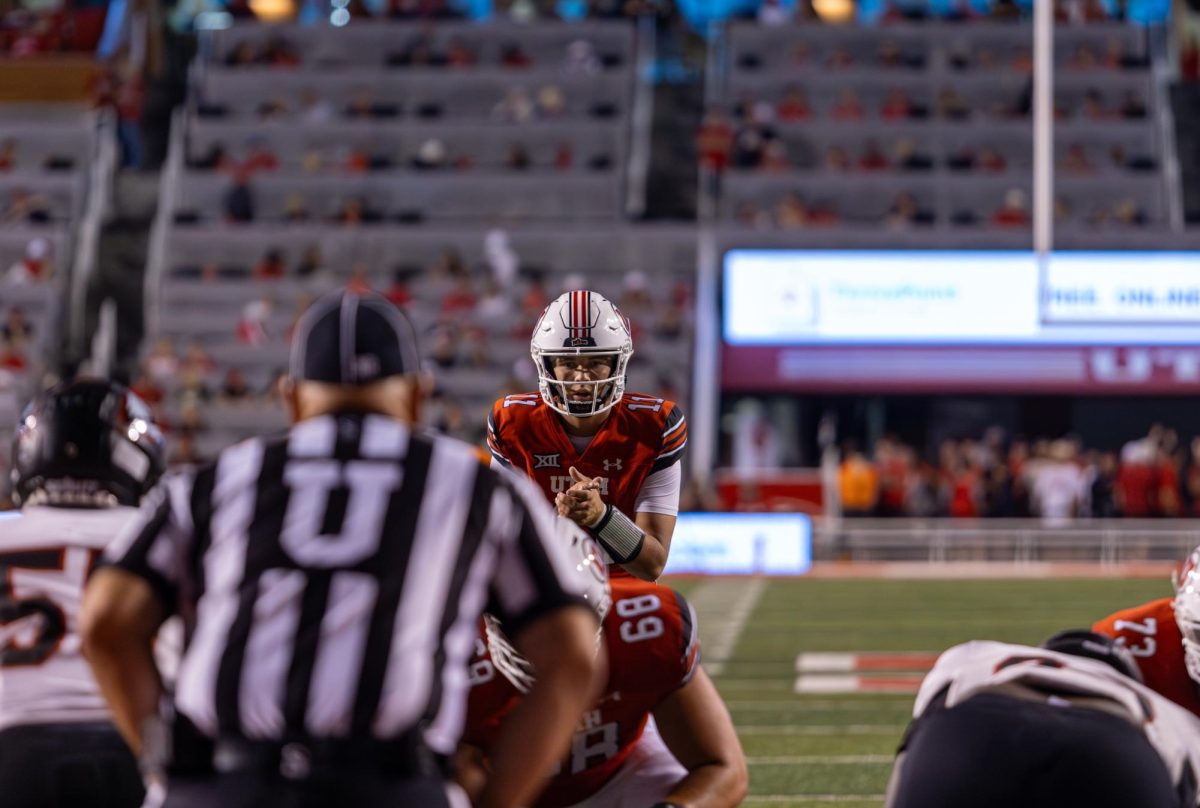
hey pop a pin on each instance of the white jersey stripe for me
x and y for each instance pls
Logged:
(224, 566)
(440, 525)
(352, 597)
(276, 616)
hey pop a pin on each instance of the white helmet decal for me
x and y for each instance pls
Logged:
(581, 323)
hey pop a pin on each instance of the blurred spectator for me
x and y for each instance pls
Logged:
(259, 158)
(458, 54)
(271, 266)
(755, 442)
(252, 327)
(314, 110)
(1132, 106)
(1076, 160)
(1013, 212)
(792, 212)
(460, 299)
(448, 264)
(858, 484)
(908, 158)
(502, 260)
(354, 211)
(431, 155)
(10, 358)
(991, 161)
(1057, 485)
(714, 141)
(905, 212)
(26, 206)
(312, 262)
(773, 13)
(837, 159)
(848, 107)
(512, 55)
(295, 209)
(197, 362)
(793, 106)
(16, 329)
(951, 106)
(873, 157)
(161, 364)
(563, 156)
(774, 156)
(279, 52)
(1103, 488)
(234, 387)
(443, 348)
(361, 106)
(32, 267)
(518, 158)
(1093, 106)
(147, 389)
(896, 106)
(516, 106)
(839, 58)
(239, 202)
(581, 58)
(551, 102)
(8, 154)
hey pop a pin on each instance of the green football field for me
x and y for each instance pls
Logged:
(835, 748)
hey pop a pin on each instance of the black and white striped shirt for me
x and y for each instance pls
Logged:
(331, 579)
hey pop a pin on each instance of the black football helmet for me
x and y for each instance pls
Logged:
(1100, 647)
(86, 443)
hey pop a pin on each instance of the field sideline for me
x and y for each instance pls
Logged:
(835, 748)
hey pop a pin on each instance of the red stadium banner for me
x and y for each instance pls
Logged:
(975, 369)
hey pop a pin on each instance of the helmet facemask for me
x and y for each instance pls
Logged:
(1187, 612)
(599, 394)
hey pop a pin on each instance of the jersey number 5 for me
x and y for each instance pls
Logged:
(31, 624)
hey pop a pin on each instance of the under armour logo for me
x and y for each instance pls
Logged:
(612, 465)
(546, 461)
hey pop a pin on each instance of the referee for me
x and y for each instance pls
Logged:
(330, 580)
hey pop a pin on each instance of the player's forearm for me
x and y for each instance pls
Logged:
(126, 673)
(714, 785)
(561, 647)
(650, 562)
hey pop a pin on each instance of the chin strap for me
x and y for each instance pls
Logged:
(618, 535)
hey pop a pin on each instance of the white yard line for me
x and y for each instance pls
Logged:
(800, 760)
(820, 730)
(772, 798)
(722, 607)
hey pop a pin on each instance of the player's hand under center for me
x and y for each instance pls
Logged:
(581, 503)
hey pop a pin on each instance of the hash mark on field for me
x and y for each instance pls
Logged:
(723, 607)
(819, 730)
(812, 798)
(800, 760)
(837, 683)
(865, 661)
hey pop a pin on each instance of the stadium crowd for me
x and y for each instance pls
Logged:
(1156, 476)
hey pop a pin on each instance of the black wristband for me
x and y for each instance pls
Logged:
(666, 805)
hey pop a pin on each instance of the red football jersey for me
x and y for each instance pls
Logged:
(653, 650)
(1151, 634)
(642, 435)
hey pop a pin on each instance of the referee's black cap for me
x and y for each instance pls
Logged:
(353, 338)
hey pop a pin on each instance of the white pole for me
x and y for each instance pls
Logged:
(1043, 126)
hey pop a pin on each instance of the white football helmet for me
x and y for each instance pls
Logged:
(581, 323)
(1187, 612)
(593, 573)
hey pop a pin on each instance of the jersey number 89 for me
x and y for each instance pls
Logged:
(638, 623)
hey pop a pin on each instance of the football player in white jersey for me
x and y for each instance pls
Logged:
(84, 454)
(1065, 725)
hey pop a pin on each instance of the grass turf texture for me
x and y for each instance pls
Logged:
(808, 751)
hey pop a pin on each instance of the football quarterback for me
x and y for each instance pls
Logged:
(607, 459)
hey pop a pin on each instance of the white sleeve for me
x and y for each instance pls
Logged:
(660, 492)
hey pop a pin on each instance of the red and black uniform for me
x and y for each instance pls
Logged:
(653, 650)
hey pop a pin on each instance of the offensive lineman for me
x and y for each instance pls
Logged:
(1066, 725)
(1164, 638)
(83, 456)
(653, 647)
(608, 460)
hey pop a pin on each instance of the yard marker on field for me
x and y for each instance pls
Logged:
(820, 730)
(813, 760)
(793, 798)
(865, 661)
(837, 683)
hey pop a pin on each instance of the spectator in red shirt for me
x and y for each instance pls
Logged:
(1013, 213)
(896, 105)
(460, 299)
(271, 266)
(848, 106)
(8, 154)
(714, 141)
(793, 106)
